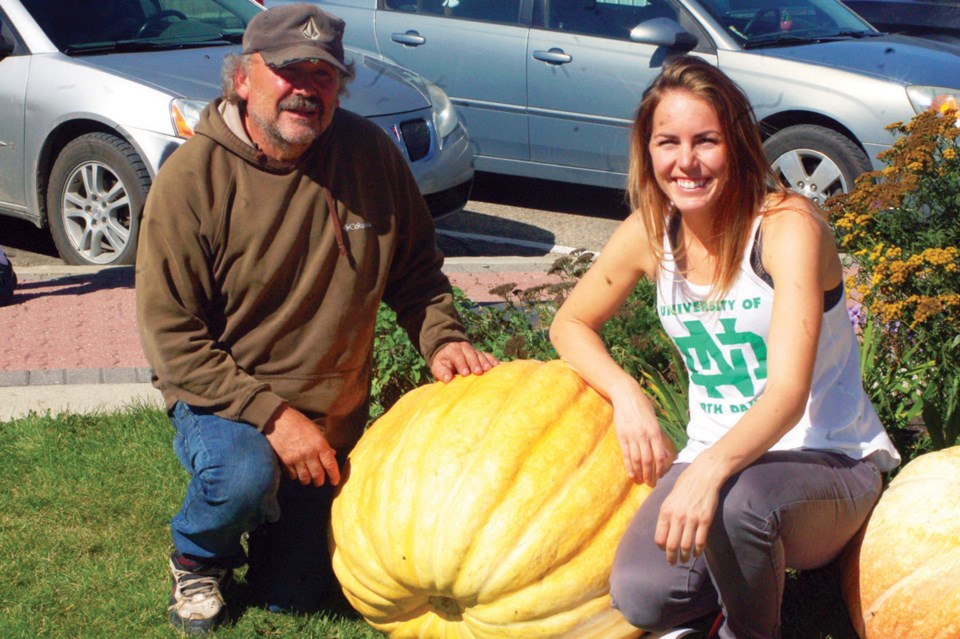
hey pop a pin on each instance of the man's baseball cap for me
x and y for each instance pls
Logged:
(295, 32)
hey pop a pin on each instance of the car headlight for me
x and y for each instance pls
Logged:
(186, 116)
(923, 98)
(444, 115)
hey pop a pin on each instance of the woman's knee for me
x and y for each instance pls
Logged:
(641, 602)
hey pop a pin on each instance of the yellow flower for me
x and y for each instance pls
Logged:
(948, 106)
(949, 154)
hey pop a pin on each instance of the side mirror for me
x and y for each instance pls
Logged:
(663, 32)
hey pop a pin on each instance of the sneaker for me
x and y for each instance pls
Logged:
(704, 628)
(196, 601)
(675, 633)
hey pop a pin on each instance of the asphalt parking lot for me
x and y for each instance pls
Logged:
(507, 216)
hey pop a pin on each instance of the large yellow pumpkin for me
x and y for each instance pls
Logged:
(487, 507)
(902, 577)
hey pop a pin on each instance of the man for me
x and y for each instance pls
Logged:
(268, 241)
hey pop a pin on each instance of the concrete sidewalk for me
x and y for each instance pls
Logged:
(70, 342)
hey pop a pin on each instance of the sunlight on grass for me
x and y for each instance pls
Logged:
(84, 536)
(84, 539)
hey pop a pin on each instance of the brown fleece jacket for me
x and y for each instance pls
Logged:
(244, 301)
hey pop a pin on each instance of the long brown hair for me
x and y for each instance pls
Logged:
(749, 176)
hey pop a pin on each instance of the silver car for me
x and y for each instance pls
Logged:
(933, 19)
(548, 88)
(95, 94)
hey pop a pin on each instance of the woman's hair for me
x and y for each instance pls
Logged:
(234, 62)
(748, 173)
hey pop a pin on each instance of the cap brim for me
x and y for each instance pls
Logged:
(292, 55)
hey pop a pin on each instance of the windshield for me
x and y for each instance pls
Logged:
(769, 22)
(80, 26)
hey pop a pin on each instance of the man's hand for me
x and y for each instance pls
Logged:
(303, 450)
(460, 358)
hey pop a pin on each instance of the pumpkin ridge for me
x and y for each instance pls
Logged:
(399, 426)
(594, 616)
(527, 453)
(500, 412)
(368, 487)
(926, 580)
(608, 499)
(899, 578)
(573, 473)
(420, 422)
(576, 575)
(554, 417)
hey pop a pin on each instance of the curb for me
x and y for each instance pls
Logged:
(451, 264)
(75, 376)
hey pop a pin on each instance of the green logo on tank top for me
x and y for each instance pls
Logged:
(728, 366)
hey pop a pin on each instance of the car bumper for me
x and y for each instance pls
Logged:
(444, 175)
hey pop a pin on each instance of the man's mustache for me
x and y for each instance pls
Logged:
(301, 103)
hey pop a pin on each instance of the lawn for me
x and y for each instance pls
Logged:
(85, 503)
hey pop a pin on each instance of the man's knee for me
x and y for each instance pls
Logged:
(241, 482)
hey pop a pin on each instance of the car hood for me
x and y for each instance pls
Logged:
(378, 89)
(910, 61)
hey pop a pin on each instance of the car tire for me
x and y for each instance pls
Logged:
(815, 161)
(98, 185)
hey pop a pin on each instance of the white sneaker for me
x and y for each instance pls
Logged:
(196, 601)
(673, 633)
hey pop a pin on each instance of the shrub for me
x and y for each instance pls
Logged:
(901, 226)
(517, 328)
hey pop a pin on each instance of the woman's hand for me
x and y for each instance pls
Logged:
(687, 513)
(646, 454)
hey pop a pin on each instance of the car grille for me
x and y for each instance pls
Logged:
(449, 201)
(415, 135)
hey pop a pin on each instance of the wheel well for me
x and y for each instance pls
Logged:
(53, 145)
(779, 121)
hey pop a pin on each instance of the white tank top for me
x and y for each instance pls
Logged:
(724, 345)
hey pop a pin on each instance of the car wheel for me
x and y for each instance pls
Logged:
(97, 189)
(815, 161)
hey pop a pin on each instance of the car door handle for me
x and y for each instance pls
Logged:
(409, 39)
(553, 56)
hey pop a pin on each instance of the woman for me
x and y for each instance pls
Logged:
(785, 452)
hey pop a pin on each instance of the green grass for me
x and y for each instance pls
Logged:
(85, 502)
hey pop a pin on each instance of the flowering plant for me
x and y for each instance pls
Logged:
(901, 227)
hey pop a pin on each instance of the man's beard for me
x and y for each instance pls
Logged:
(285, 140)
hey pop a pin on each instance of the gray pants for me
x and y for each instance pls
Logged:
(795, 509)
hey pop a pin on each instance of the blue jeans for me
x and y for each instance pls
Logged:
(235, 487)
(796, 509)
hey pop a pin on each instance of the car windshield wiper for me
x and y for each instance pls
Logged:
(782, 38)
(861, 33)
(116, 46)
(126, 46)
(777, 39)
(233, 37)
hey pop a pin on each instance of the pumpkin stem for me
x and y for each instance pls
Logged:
(447, 607)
